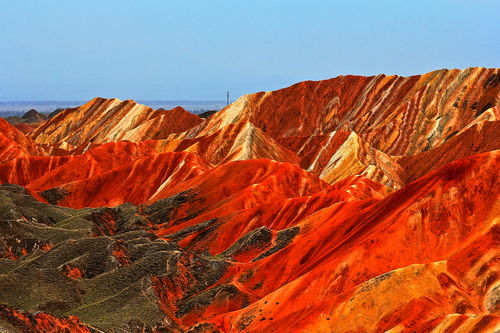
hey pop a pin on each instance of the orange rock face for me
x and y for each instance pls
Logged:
(355, 204)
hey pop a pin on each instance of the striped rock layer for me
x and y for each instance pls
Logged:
(355, 204)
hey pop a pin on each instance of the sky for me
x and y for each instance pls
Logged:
(198, 50)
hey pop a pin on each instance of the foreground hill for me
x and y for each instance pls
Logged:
(355, 204)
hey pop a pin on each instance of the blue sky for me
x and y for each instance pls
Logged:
(145, 49)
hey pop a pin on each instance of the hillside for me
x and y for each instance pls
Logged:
(354, 204)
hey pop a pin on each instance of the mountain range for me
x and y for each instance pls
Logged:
(354, 204)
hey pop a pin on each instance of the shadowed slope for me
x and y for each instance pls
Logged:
(163, 124)
(27, 122)
(272, 216)
(478, 138)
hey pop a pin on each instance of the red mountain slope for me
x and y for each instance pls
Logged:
(15, 144)
(422, 109)
(96, 161)
(355, 204)
(334, 266)
(21, 159)
(129, 182)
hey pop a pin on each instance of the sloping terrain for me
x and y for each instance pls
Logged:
(355, 204)
(28, 121)
(106, 120)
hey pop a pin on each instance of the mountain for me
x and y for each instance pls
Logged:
(207, 114)
(33, 116)
(107, 120)
(396, 115)
(354, 204)
(27, 122)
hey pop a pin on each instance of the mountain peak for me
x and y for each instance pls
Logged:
(34, 115)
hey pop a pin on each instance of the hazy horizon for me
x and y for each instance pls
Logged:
(17, 108)
(196, 50)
